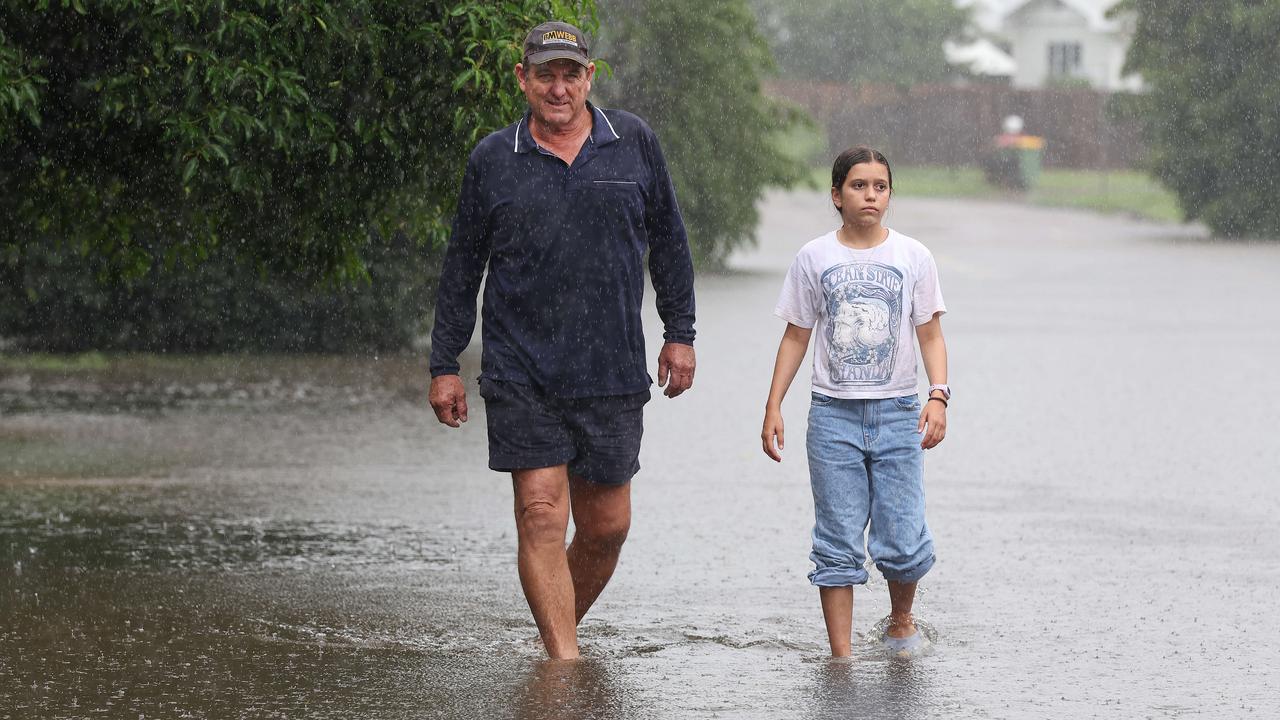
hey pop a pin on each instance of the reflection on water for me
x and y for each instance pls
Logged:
(109, 540)
(581, 690)
(859, 688)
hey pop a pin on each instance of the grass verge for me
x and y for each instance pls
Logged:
(1115, 192)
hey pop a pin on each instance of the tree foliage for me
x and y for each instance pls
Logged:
(857, 41)
(693, 71)
(219, 304)
(277, 139)
(1211, 114)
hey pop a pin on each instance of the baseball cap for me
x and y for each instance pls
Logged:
(555, 40)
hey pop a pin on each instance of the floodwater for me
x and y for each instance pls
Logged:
(300, 538)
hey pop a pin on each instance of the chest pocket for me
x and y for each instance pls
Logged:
(617, 204)
(616, 190)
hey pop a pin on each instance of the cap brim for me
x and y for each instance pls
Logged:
(548, 55)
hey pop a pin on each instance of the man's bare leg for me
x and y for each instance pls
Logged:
(601, 518)
(901, 597)
(837, 611)
(542, 520)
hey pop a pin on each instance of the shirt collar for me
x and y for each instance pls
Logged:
(602, 132)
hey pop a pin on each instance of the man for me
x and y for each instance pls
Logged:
(562, 206)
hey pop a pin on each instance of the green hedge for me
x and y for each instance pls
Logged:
(221, 304)
(194, 174)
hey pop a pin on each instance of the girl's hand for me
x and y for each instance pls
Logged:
(773, 428)
(933, 423)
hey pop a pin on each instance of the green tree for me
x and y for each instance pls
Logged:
(280, 140)
(693, 71)
(18, 88)
(857, 41)
(1211, 114)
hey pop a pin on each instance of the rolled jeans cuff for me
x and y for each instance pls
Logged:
(838, 576)
(909, 575)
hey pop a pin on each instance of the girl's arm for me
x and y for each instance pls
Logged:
(933, 350)
(795, 342)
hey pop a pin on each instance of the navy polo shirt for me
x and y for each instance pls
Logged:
(565, 248)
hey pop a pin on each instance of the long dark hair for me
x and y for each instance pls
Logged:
(854, 156)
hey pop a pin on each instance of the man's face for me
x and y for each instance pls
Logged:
(556, 90)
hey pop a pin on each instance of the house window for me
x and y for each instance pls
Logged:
(1064, 59)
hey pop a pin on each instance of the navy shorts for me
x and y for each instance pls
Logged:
(597, 437)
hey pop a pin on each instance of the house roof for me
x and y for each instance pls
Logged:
(1093, 11)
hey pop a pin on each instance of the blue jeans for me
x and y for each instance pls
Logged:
(866, 466)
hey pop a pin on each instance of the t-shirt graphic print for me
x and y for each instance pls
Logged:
(863, 306)
(864, 302)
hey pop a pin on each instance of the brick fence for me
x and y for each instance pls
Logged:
(947, 125)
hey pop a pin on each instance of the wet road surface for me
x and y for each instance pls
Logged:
(285, 538)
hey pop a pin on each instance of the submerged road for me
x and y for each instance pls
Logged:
(302, 539)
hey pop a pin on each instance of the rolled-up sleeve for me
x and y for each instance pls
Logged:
(670, 262)
(460, 276)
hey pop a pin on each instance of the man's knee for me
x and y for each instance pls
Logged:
(605, 533)
(541, 520)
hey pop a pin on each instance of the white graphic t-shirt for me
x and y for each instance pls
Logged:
(863, 306)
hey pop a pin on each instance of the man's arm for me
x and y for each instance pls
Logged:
(671, 269)
(455, 317)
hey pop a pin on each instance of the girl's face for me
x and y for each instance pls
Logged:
(863, 197)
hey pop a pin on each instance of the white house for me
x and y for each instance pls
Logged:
(1054, 41)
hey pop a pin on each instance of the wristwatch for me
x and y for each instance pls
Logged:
(946, 390)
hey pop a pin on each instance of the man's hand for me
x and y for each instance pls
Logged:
(449, 400)
(675, 368)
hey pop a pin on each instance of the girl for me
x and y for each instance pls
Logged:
(864, 287)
